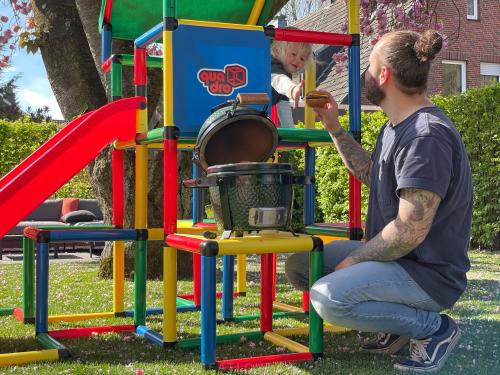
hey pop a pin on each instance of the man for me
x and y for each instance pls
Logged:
(414, 260)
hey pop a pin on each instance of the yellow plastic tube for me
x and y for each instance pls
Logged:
(285, 342)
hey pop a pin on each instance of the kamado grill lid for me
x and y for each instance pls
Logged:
(236, 134)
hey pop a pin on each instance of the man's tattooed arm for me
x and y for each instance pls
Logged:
(408, 230)
(355, 158)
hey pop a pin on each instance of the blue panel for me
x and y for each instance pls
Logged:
(212, 65)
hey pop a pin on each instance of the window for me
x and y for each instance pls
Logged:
(490, 73)
(454, 80)
(472, 10)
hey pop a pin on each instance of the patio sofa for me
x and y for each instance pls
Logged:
(55, 212)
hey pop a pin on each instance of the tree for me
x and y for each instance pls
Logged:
(9, 106)
(71, 53)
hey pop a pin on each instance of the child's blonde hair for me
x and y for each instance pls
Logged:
(280, 48)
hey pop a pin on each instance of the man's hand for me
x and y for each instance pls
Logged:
(329, 114)
(296, 91)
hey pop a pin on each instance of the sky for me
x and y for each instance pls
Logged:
(33, 86)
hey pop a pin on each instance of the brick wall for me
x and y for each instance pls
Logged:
(472, 41)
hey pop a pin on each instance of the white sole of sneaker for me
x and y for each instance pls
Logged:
(392, 349)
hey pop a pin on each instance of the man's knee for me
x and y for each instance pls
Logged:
(329, 299)
(297, 270)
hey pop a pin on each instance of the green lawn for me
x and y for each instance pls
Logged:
(74, 288)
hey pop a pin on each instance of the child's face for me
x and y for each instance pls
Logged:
(295, 59)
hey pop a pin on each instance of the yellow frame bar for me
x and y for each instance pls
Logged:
(282, 242)
(77, 317)
(256, 12)
(285, 342)
(141, 187)
(219, 25)
(353, 17)
(241, 273)
(118, 276)
(168, 80)
(310, 84)
(285, 307)
(11, 359)
(301, 331)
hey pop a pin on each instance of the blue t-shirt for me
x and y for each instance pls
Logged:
(425, 151)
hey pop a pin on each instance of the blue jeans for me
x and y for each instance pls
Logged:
(368, 296)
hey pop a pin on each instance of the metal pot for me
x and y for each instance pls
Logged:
(251, 196)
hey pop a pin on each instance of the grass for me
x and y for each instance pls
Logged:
(74, 288)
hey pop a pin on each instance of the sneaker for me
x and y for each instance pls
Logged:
(430, 354)
(386, 343)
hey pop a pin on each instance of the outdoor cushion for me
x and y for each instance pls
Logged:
(68, 205)
(78, 216)
(91, 205)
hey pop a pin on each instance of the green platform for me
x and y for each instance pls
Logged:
(132, 18)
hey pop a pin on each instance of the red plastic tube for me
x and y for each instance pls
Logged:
(251, 362)
(274, 115)
(118, 166)
(106, 66)
(139, 66)
(74, 333)
(305, 301)
(185, 243)
(107, 11)
(275, 259)
(205, 225)
(266, 294)
(18, 314)
(170, 188)
(312, 37)
(354, 202)
(197, 279)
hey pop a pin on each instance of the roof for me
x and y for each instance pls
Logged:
(330, 19)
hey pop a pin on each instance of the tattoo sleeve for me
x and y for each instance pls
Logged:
(355, 158)
(408, 230)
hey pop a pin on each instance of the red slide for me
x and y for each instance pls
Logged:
(63, 156)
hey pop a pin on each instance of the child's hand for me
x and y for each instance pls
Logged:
(296, 91)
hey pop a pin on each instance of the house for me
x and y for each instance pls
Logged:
(471, 59)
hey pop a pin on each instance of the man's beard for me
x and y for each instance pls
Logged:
(373, 92)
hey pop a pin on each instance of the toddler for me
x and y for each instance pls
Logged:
(287, 58)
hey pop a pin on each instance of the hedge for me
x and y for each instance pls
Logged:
(476, 115)
(20, 138)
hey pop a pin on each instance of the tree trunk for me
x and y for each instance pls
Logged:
(71, 51)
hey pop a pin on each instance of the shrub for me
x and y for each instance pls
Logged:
(18, 139)
(476, 115)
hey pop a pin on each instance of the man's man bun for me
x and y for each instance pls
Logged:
(428, 45)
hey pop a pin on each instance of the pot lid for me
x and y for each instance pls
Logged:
(239, 136)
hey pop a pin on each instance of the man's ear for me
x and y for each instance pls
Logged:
(385, 74)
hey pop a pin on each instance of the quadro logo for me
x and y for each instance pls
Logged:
(223, 82)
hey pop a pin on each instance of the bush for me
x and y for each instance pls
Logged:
(333, 178)
(476, 115)
(18, 139)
